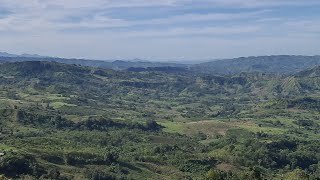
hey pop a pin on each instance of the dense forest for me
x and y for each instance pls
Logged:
(67, 121)
(281, 64)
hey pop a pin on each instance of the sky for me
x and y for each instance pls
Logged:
(161, 30)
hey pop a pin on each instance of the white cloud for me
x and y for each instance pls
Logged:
(37, 26)
(33, 16)
(312, 26)
(258, 3)
(207, 31)
(39, 16)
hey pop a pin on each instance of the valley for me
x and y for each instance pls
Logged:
(62, 121)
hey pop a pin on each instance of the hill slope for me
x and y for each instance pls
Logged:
(284, 64)
(267, 64)
(61, 121)
(117, 64)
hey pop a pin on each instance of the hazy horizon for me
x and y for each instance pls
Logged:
(163, 30)
(182, 61)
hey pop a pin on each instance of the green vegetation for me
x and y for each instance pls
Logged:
(280, 64)
(283, 64)
(63, 121)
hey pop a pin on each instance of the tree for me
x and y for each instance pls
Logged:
(152, 125)
(297, 174)
(213, 175)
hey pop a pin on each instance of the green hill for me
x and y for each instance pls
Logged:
(111, 64)
(280, 64)
(61, 121)
(284, 64)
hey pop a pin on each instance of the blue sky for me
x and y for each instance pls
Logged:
(160, 29)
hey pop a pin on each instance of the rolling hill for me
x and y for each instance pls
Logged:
(284, 64)
(62, 121)
(116, 64)
(281, 64)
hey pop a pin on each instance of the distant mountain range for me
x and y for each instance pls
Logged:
(4, 54)
(279, 64)
(116, 64)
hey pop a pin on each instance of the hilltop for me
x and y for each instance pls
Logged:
(111, 64)
(282, 64)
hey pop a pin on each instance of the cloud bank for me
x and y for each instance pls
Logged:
(159, 29)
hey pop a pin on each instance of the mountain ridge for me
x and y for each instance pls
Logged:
(282, 64)
(279, 64)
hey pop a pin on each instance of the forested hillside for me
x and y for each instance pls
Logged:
(61, 121)
(283, 64)
(113, 64)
